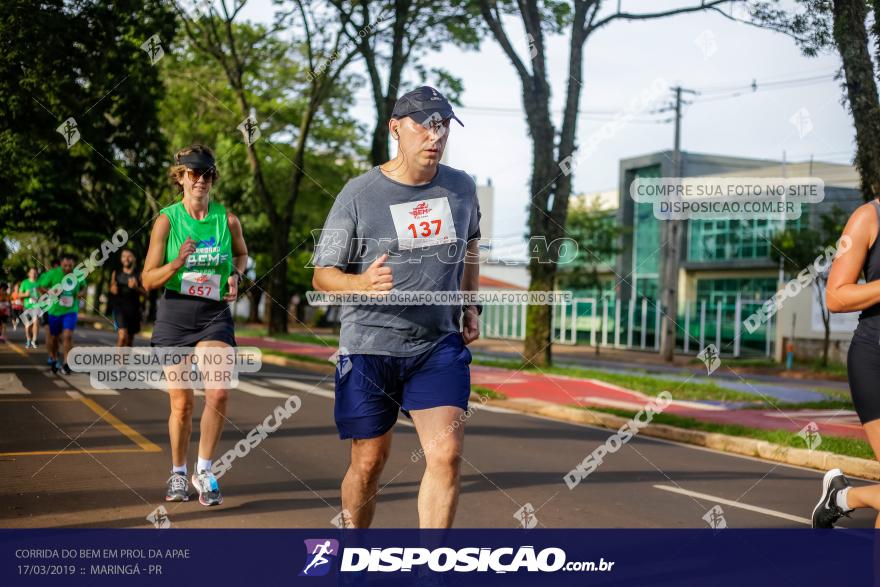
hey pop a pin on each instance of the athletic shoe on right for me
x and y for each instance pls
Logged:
(827, 512)
(209, 491)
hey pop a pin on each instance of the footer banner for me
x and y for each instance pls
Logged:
(432, 557)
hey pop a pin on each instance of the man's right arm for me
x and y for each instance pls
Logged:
(376, 278)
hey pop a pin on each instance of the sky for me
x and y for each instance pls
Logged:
(701, 51)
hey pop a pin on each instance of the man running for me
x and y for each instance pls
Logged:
(62, 315)
(29, 295)
(197, 253)
(126, 289)
(410, 358)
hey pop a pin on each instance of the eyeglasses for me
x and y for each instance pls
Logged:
(195, 174)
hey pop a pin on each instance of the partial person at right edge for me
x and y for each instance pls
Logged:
(844, 294)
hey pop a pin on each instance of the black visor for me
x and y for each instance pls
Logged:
(197, 160)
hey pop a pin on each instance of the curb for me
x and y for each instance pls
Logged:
(813, 459)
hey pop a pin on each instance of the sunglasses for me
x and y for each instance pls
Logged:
(195, 174)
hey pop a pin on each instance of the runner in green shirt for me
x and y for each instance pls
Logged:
(197, 254)
(63, 312)
(29, 295)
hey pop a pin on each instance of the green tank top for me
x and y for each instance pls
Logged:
(207, 270)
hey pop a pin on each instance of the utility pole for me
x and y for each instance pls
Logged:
(671, 246)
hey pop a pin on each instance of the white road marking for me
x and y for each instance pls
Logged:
(10, 384)
(258, 390)
(304, 387)
(735, 504)
(83, 383)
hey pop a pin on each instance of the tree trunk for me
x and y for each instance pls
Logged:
(537, 347)
(379, 152)
(255, 294)
(278, 296)
(827, 342)
(853, 44)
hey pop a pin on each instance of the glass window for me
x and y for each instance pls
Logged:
(720, 240)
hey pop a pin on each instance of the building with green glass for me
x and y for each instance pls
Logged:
(720, 260)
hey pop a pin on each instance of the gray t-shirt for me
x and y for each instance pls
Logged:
(425, 229)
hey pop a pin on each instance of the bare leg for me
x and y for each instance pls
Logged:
(441, 432)
(361, 481)
(67, 339)
(216, 395)
(868, 496)
(180, 424)
(52, 345)
(33, 330)
(122, 337)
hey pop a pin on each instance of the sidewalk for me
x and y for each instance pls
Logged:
(590, 392)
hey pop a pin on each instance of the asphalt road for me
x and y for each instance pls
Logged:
(73, 456)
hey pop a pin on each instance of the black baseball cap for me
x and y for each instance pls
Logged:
(196, 160)
(423, 103)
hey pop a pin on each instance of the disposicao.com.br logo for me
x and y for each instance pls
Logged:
(462, 560)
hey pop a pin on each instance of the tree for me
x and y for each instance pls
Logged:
(827, 25)
(553, 152)
(318, 59)
(390, 35)
(202, 106)
(597, 236)
(799, 248)
(89, 75)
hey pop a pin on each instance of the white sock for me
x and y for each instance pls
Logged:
(204, 465)
(841, 499)
(181, 469)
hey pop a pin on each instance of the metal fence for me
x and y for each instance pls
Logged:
(635, 324)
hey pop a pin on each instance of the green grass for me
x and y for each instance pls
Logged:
(765, 363)
(322, 339)
(833, 368)
(486, 392)
(828, 404)
(646, 384)
(843, 446)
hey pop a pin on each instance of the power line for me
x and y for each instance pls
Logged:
(755, 87)
(766, 81)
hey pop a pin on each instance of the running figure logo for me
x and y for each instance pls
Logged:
(250, 130)
(320, 553)
(153, 48)
(69, 131)
(526, 516)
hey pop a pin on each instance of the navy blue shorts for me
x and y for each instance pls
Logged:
(371, 389)
(62, 322)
